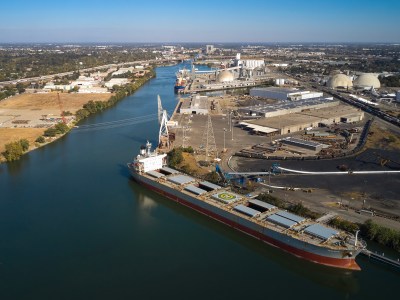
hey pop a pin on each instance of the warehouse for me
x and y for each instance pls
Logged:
(287, 107)
(197, 105)
(295, 122)
(278, 93)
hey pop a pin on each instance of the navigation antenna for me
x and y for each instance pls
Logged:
(209, 140)
(163, 135)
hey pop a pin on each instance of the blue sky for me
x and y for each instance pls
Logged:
(200, 21)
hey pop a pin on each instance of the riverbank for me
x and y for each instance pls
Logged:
(29, 116)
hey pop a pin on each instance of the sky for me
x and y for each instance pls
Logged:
(149, 21)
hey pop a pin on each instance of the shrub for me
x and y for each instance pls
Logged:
(13, 151)
(51, 132)
(40, 139)
(271, 200)
(24, 144)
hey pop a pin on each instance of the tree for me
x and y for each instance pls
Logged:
(61, 128)
(24, 144)
(13, 151)
(212, 177)
(51, 132)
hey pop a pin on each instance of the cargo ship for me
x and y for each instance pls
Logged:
(180, 84)
(182, 78)
(297, 235)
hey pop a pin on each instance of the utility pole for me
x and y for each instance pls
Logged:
(232, 127)
(224, 139)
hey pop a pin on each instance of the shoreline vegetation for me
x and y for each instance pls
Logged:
(14, 150)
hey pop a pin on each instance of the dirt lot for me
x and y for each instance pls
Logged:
(381, 138)
(23, 116)
(70, 102)
(8, 135)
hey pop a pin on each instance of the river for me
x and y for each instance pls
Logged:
(73, 225)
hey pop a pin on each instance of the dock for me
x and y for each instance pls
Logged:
(381, 258)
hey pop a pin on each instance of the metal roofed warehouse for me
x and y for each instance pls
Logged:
(287, 107)
(298, 121)
(194, 105)
(279, 93)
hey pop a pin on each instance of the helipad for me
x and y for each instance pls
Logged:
(226, 197)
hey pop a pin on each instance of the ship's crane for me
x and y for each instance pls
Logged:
(61, 109)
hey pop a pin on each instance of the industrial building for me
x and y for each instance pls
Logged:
(278, 93)
(367, 81)
(116, 81)
(339, 81)
(287, 107)
(309, 145)
(294, 122)
(197, 105)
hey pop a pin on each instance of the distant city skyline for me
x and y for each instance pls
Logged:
(199, 21)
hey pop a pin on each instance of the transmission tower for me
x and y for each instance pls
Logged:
(209, 140)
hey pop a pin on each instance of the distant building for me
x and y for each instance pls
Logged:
(298, 121)
(93, 90)
(339, 81)
(57, 87)
(197, 105)
(367, 81)
(116, 81)
(210, 49)
(278, 93)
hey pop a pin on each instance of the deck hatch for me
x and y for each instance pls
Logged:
(262, 204)
(155, 174)
(246, 210)
(195, 190)
(280, 221)
(169, 170)
(320, 231)
(210, 185)
(290, 216)
(181, 179)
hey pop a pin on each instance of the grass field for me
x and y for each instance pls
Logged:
(31, 107)
(70, 102)
(8, 135)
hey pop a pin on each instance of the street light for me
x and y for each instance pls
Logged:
(231, 127)
(224, 140)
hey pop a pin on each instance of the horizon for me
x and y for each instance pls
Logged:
(259, 22)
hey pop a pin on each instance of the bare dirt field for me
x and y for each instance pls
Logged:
(8, 135)
(70, 102)
(27, 116)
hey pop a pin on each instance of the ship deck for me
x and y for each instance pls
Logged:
(256, 211)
